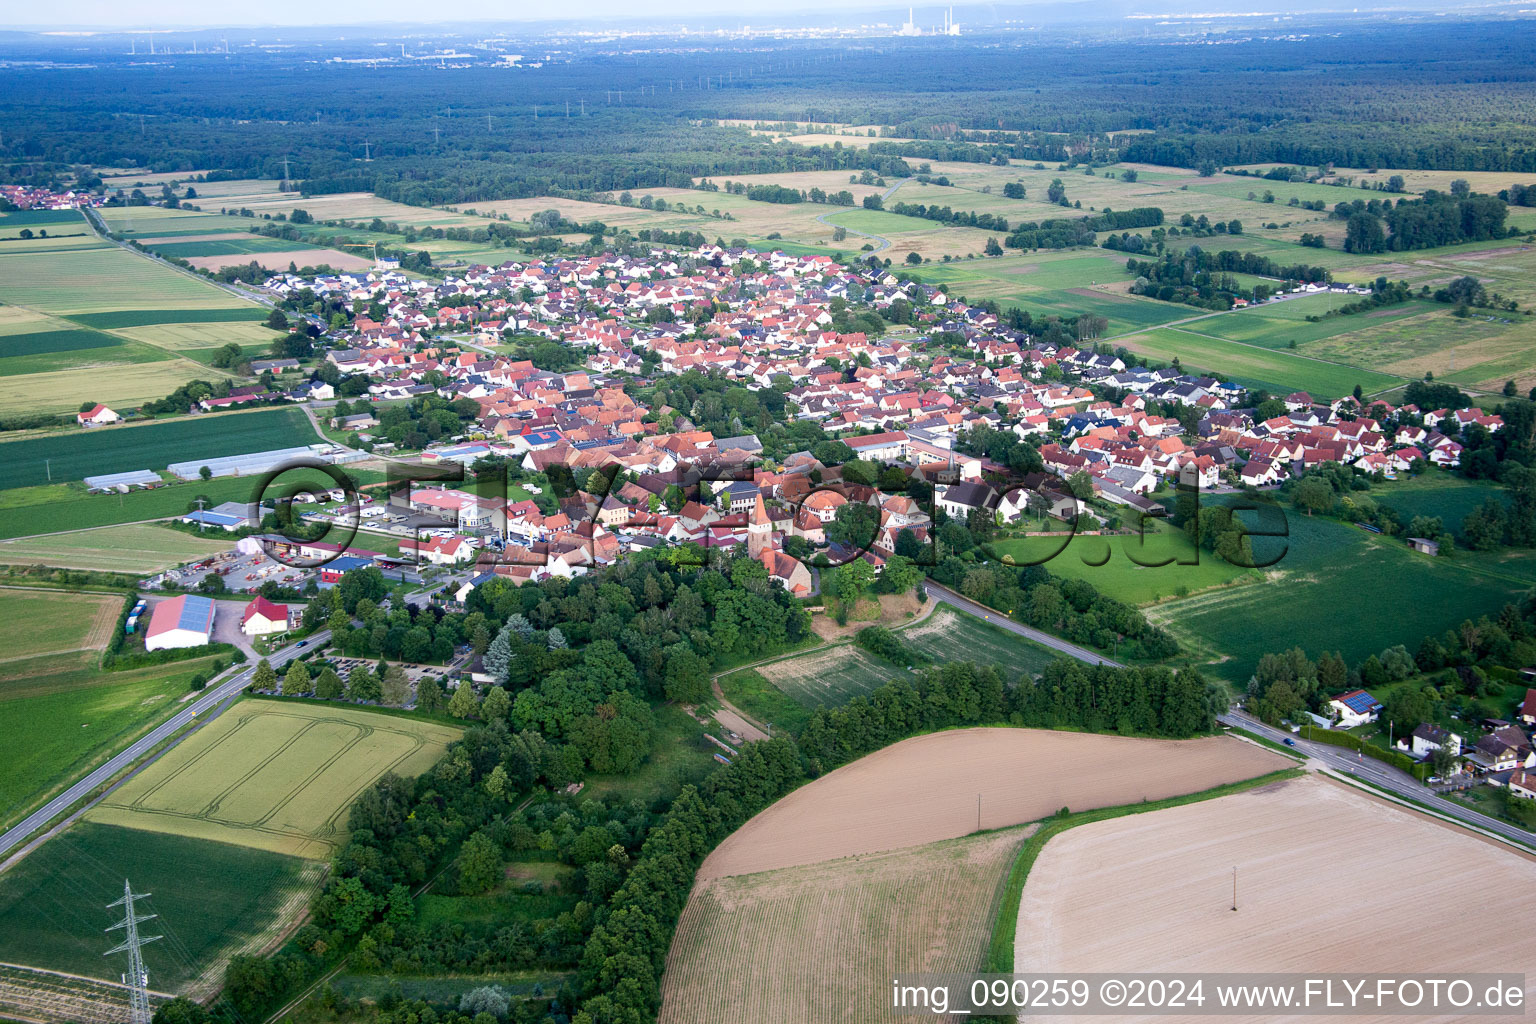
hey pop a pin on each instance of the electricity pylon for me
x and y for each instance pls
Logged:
(137, 978)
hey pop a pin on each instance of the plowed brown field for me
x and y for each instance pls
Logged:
(925, 789)
(1329, 880)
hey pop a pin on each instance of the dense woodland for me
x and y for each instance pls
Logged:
(1459, 96)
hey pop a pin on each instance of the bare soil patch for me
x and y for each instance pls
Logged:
(280, 260)
(894, 610)
(1329, 879)
(925, 789)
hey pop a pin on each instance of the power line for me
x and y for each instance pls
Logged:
(137, 978)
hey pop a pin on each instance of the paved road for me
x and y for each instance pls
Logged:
(1347, 762)
(205, 707)
(884, 243)
(1055, 643)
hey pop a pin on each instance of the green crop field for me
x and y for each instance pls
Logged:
(1278, 371)
(1107, 563)
(46, 509)
(149, 317)
(836, 675)
(133, 548)
(32, 218)
(212, 900)
(61, 715)
(77, 454)
(1436, 493)
(274, 776)
(1337, 587)
(102, 280)
(223, 247)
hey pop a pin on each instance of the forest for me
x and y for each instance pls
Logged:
(1459, 96)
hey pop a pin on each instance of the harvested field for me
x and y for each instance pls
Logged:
(924, 790)
(799, 944)
(280, 260)
(131, 548)
(41, 622)
(273, 776)
(1171, 875)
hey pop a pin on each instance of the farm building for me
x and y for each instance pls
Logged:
(96, 416)
(263, 617)
(184, 621)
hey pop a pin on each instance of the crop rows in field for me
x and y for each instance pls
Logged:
(820, 943)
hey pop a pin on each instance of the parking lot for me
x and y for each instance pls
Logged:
(240, 573)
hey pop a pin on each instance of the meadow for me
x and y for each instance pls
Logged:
(79, 453)
(136, 548)
(1277, 371)
(212, 900)
(273, 776)
(1107, 563)
(1336, 587)
(62, 715)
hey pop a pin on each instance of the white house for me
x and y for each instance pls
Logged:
(1355, 708)
(184, 621)
(1428, 738)
(96, 416)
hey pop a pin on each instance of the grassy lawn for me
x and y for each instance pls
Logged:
(749, 691)
(1106, 562)
(61, 715)
(212, 899)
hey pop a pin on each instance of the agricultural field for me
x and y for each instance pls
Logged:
(101, 280)
(136, 548)
(76, 454)
(34, 994)
(43, 622)
(61, 715)
(282, 259)
(1107, 562)
(1281, 323)
(1173, 869)
(835, 675)
(1279, 372)
(273, 776)
(212, 900)
(51, 508)
(32, 343)
(1329, 573)
(800, 943)
(927, 789)
(1436, 493)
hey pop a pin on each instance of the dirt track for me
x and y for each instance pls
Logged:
(1329, 880)
(925, 789)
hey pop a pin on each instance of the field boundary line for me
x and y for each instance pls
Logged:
(1000, 951)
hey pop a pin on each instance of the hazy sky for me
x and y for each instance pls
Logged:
(82, 14)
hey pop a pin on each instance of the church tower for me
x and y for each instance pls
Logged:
(759, 530)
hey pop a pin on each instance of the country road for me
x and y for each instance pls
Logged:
(204, 708)
(884, 243)
(1349, 763)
